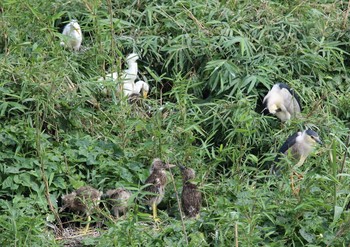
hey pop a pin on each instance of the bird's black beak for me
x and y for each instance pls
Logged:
(318, 140)
(168, 166)
(182, 168)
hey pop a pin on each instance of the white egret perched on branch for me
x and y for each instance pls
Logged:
(283, 102)
(127, 79)
(74, 36)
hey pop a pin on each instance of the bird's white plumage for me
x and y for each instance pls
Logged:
(126, 81)
(304, 144)
(74, 36)
(136, 88)
(281, 103)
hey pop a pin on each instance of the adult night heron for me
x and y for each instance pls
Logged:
(73, 35)
(283, 102)
(85, 200)
(156, 185)
(300, 145)
(191, 197)
(127, 78)
(118, 200)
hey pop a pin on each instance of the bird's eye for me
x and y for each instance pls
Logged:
(279, 110)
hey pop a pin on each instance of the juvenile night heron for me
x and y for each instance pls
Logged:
(156, 185)
(73, 35)
(127, 78)
(191, 197)
(283, 102)
(300, 145)
(85, 200)
(118, 200)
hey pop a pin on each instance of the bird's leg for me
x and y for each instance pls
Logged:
(88, 225)
(117, 214)
(154, 209)
(294, 190)
(301, 162)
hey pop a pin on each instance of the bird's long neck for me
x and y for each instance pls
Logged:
(133, 68)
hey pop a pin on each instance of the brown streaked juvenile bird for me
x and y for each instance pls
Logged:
(84, 200)
(157, 182)
(118, 200)
(191, 197)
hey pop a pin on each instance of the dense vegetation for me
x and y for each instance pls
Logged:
(209, 64)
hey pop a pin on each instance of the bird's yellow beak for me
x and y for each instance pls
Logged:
(273, 109)
(144, 94)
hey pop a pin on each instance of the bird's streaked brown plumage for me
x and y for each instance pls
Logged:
(84, 200)
(157, 182)
(118, 199)
(191, 197)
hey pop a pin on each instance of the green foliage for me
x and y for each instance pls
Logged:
(209, 64)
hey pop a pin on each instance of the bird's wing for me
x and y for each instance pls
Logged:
(295, 99)
(289, 142)
(128, 88)
(286, 145)
(155, 181)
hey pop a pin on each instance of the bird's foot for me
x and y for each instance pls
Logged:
(156, 219)
(295, 190)
(299, 175)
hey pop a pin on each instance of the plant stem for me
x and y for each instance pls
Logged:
(179, 206)
(345, 154)
(345, 20)
(39, 124)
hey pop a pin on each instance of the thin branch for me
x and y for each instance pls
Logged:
(236, 234)
(345, 20)
(345, 153)
(179, 206)
(42, 168)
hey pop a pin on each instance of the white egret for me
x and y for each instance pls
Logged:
(74, 36)
(126, 81)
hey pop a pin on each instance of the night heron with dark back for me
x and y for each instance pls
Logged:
(283, 102)
(299, 145)
(156, 182)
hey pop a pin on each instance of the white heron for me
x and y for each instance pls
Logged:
(126, 80)
(74, 36)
